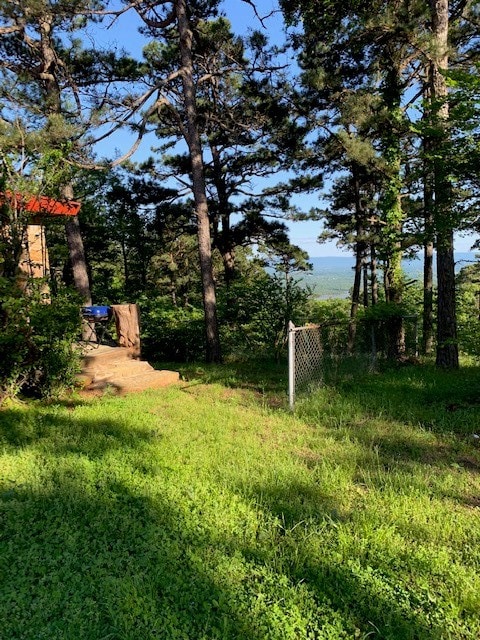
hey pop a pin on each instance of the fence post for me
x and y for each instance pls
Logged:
(291, 365)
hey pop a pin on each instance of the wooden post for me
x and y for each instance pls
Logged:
(34, 261)
(127, 322)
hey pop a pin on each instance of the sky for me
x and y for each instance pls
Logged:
(243, 19)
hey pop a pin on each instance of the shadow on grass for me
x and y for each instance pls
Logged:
(421, 396)
(112, 565)
(90, 555)
(90, 561)
(48, 429)
(413, 415)
(367, 584)
(98, 558)
(262, 376)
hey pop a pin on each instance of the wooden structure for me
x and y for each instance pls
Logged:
(118, 371)
(34, 262)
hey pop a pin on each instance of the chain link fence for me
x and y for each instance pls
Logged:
(317, 349)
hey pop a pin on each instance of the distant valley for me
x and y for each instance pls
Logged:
(332, 276)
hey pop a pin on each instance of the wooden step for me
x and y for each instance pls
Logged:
(115, 368)
(104, 355)
(118, 369)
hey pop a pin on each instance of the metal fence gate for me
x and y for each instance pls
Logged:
(305, 356)
(314, 348)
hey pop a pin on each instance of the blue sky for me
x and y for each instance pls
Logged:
(243, 19)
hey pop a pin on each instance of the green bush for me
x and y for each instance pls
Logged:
(171, 333)
(253, 316)
(37, 340)
(255, 312)
(468, 310)
(333, 310)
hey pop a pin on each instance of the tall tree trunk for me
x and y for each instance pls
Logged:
(428, 327)
(360, 248)
(391, 202)
(198, 182)
(77, 259)
(428, 245)
(447, 346)
(373, 273)
(77, 252)
(355, 303)
(79, 271)
(366, 300)
(225, 243)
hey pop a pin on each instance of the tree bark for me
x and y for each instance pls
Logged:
(77, 259)
(355, 303)
(447, 346)
(391, 203)
(428, 327)
(213, 353)
(373, 273)
(225, 243)
(360, 249)
(79, 271)
(428, 244)
(127, 323)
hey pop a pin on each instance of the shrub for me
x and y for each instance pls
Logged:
(171, 333)
(468, 310)
(255, 313)
(37, 340)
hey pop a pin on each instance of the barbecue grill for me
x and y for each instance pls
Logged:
(97, 317)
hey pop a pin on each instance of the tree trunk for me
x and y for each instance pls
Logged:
(198, 182)
(127, 323)
(428, 246)
(373, 273)
(391, 201)
(365, 282)
(360, 248)
(355, 298)
(79, 271)
(428, 328)
(447, 346)
(77, 259)
(224, 244)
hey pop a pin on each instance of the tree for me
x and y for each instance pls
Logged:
(355, 67)
(34, 76)
(53, 93)
(399, 53)
(447, 345)
(243, 119)
(173, 22)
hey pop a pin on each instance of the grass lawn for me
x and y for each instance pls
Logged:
(207, 511)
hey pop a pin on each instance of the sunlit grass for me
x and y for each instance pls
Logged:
(209, 511)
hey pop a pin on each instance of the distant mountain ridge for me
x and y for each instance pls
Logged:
(332, 276)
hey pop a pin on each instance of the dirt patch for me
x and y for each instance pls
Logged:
(473, 502)
(469, 463)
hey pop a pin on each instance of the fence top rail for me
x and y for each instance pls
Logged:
(335, 323)
(306, 327)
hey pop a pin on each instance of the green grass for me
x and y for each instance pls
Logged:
(207, 511)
